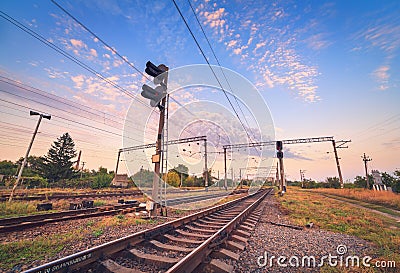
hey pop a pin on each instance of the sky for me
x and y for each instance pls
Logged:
(313, 69)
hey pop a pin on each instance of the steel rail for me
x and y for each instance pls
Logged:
(198, 255)
(86, 257)
(16, 224)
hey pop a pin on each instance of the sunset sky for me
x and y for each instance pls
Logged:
(323, 68)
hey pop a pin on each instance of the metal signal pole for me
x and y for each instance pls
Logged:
(226, 174)
(32, 113)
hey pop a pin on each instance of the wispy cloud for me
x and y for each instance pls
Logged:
(382, 76)
(382, 35)
(266, 45)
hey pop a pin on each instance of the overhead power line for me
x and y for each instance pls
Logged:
(219, 64)
(100, 39)
(116, 53)
(69, 56)
(212, 70)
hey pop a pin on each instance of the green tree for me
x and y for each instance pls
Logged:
(182, 171)
(360, 182)
(8, 168)
(173, 179)
(333, 182)
(396, 182)
(57, 164)
(388, 180)
(34, 165)
(143, 178)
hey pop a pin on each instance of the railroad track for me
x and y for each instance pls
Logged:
(205, 241)
(39, 197)
(24, 222)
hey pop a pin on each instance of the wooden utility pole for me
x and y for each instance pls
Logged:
(366, 159)
(32, 113)
(338, 164)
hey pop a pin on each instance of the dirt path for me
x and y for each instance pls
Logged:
(365, 205)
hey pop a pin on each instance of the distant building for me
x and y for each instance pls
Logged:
(378, 184)
(120, 180)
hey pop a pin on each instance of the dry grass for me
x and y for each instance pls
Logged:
(385, 198)
(384, 233)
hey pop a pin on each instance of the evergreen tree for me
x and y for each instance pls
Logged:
(58, 161)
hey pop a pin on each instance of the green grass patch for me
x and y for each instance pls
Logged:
(97, 232)
(99, 203)
(90, 223)
(26, 251)
(336, 216)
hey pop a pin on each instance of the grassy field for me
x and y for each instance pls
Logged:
(385, 198)
(303, 207)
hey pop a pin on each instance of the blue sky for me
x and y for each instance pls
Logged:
(324, 69)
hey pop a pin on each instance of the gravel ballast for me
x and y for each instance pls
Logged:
(268, 240)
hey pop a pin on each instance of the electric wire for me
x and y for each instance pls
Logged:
(69, 56)
(212, 70)
(44, 95)
(219, 64)
(115, 51)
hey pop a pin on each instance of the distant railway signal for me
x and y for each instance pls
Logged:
(160, 80)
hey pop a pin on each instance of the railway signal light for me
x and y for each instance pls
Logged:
(160, 80)
(279, 145)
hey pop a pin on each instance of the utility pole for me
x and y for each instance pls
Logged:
(233, 178)
(83, 165)
(32, 113)
(226, 174)
(141, 177)
(240, 177)
(205, 165)
(302, 177)
(340, 146)
(366, 159)
(78, 161)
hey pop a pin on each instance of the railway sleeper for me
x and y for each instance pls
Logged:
(195, 235)
(162, 246)
(220, 223)
(224, 253)
(234, 246)
(210, 218)
(213, 226)
(152, 259)
(182, 240)
(109, 266)
(202, 230)
(217, 266)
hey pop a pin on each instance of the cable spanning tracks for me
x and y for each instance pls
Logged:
(200, 241)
